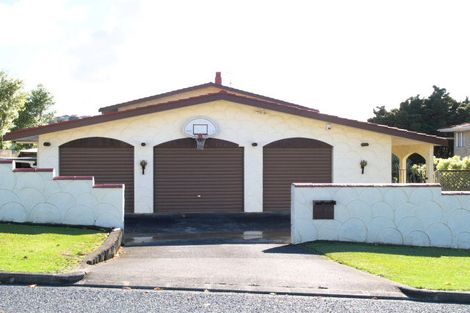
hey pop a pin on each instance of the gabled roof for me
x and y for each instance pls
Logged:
(273, 105)
(116, 107)
(456, 128)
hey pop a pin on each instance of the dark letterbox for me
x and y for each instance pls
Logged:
(324, 209)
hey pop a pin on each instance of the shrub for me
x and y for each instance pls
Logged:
(453, 173)
(454, 163)
(417, 173)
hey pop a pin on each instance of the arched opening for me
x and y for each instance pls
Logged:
(187, 180)
(415, 168)
(293, 160)
(298, 142)
(110, 161)
(395, 169)
(190, 143)
(96, 142)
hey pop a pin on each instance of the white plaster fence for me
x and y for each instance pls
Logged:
(402, 214)
(38, 196)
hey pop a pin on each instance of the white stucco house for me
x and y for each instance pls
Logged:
(461, 138)
(256, 146)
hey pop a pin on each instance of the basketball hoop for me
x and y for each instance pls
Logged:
(200, 128)
(200, 140)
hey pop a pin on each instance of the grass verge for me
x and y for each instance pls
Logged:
(419, 267)
(45, 249)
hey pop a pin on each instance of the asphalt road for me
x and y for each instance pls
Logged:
(80, 299)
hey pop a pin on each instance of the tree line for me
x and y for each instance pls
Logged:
(426, 115)
(20, 108)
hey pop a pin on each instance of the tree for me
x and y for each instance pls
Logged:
(426, 115)
(19, 109)
(36, 110)
(64, 118)
(12, 100)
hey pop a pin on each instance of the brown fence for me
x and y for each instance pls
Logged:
(454, 180)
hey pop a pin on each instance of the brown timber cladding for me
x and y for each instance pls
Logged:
(298, 160)
(188, 180)
(109, 161)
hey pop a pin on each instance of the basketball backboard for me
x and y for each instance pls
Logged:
(200, 126)
(200, 129)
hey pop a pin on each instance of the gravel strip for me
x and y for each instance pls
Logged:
(81, 299)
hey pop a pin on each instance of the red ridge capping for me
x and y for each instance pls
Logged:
(6, 161)
(73, 178)
(32, 170)
(108, 186)
(115, 107)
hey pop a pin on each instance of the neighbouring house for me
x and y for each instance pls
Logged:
(7, 153)
(25, 158)
(213, 148)
(461, 138)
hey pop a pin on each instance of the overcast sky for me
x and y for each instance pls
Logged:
(341, 57)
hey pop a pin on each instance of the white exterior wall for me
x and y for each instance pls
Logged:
(243, 125)
(391, 214)
(37, 198)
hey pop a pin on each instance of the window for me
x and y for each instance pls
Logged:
(459, 139)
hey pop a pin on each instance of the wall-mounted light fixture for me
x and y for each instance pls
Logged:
(364, 144)
(143, 164)
(46, 144)
(143, 144)
(363, 165)
(254, 144)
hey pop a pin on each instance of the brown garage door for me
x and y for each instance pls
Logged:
(190, 180)
(293, 160)
(110, 161)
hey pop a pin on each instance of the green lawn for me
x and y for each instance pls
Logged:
(428, 268)
(48, 249)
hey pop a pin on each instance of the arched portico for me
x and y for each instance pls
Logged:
(403, 152)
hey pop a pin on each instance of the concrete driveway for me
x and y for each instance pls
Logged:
(247, 256)
(145, 230)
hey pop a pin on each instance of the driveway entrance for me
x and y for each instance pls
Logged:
(228, 253)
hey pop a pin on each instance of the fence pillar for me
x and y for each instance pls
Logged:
(403, 173)
(429, 157)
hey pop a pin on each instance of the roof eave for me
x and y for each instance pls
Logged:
(309, 113)
(454, 129)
